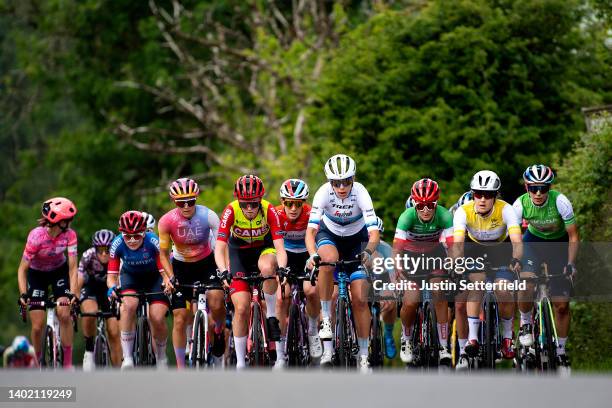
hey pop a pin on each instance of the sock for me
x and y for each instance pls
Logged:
(127, 343)
(389, 329)
(462, 346)
(313, 326)
(364, 345)
(507, 326)
(328, 345)
(527, 317)
(326, 309)
(443, 334)
(240, 344)
(160, 349)
(474, 325)
(89, 343)
(406, 332)
(280, 348)
(270, 305)
(188, 330)
(179, 352)
(67, 356)
(561, 345)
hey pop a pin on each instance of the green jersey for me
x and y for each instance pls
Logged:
(549, 220)
(411, 232)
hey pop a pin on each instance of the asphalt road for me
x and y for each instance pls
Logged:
(313, 389)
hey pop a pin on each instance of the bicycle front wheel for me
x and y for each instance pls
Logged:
(256, 353)
(490, 332)
(198, 342)
(430, 327)
(48, 352)
(143, 350)
(549, 336)
(376, 340)
(101, 352)
(293, 337)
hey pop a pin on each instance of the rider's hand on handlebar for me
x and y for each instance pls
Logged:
(312, 261)
(169, 284)
(366, 258)
(516, 265)
(111, 293)
(72, 299)
(225, 278)
(23, 299)
(283, 273)
(570, 270)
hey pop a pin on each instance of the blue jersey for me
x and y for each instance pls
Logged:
(142, 260)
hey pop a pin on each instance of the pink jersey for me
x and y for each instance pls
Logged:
(192, 237)
(46, 253)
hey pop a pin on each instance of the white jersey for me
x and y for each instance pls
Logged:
(343, 217)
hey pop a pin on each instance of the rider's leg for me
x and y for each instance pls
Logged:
(127, 325)
(240, 323)
(282, 309)
(441, 307)
(313, 308)
(66, 330)
(159, 329)
(181, 317)
(363, 316)
(114, 340)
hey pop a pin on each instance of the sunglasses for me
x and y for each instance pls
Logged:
(291, 204)
(484, 194)
(185, 203)
(342, 183)
(134, 237)
(429, 206)
(536, 189)
(102, 250)
(249, 205)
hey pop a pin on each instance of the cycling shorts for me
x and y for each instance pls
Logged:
(243, 263)
(96, 291)
(140, 282)
(187, 273)
(348, 247)
(39, 282)
(554, 254)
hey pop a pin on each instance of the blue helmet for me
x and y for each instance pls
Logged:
(409, 202)
(295, 189)
(467, 196)
(20, 344)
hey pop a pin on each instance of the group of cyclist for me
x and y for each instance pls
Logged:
(254, 237)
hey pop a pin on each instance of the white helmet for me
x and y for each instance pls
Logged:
(485, 180)
(149, 220)
(340, 167)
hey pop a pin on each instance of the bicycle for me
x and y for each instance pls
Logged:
(298, 354)
(377, 347)
(52, 354)
(199, 342)
(101, 346)
(261, 352)
(345, 337)
(144, 353)
(544, 355)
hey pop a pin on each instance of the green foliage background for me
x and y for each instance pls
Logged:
(411, 89)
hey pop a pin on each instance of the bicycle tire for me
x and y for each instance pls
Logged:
(377, 358)
(142, 349)
(490, 338)
(196, 353)
(101, 352)
(432, 349)
(293, 338)
(342, 347)
(230, 357)
(454, 343)
(256, 352)
(549, 335)
(47, 357)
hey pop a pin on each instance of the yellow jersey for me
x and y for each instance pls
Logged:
(494, 227)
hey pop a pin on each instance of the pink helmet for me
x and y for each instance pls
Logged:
(57, 209)
(184, 188)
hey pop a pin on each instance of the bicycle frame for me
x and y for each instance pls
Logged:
(298, 302)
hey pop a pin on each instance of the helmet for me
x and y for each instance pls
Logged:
(57, 209)
(485, 180)
(379, 224)
(410, 202)
(20, 344)
(249, 187)
(538, 173)
(103, 237)
(295, 189)
(132, 222)
(149, 220)
(184, 188)
(340, 167)
(425, 190)
(467, 196)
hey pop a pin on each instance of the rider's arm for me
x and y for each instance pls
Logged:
(164, 246)
(73, 273)
(277, 234)
(369, 216)
(114, 262)
(314, 219)
(574, 238)
(564, 206)
(459, 229)
(223, 235)
(514, 230)
(22, 275)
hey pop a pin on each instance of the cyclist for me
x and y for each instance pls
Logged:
(250, 231)
(388, 306)
(294, 213)
(44, 264)
(419, 233)
(550, 219)
(409, 202)
(190, 227)
(488, 221)
(135, 261)
(20, 354)
(150, 221)
(342, 221)
(460, 305)
(92, 283)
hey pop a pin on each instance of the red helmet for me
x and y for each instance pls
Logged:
(57, 209)
(425, 190)
(249, 187)
(184, 188)
(132, 222)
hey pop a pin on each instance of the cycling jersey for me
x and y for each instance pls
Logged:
(91, 266)
(142, 260)
(494, 227)
(245, 233)
(295, 231)
(549, 220)
(343, 217)
(192, 238)
(45, 253)
(411, 232)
